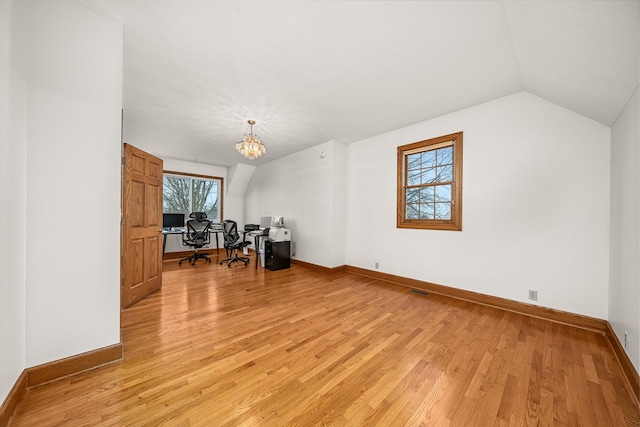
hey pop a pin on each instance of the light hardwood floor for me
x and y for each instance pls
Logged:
(231, 347)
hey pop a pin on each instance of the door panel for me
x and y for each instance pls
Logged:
(141, 225)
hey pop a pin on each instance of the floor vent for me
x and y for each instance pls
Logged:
(418, 291)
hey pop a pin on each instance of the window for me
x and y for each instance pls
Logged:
(430, 184)
(186, 193)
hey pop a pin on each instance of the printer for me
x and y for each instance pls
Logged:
(279, 234)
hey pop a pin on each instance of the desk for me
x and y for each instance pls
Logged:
(170, 231)
(213, 229)
(256, 236)
(216, 228)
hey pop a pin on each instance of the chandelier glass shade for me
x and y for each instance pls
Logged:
(251, 147)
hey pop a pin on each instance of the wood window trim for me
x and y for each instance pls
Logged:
(455, 223)
(197, 175)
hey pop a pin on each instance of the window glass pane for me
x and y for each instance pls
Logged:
(413, 177)
(412, 195)
(426, 211)
(176, 195)
(429, 159)
(428, 175)
(205, 198)
(412, 211)
(443, 211)
(443, 193)
(445, 156)
(445, 173)
(183, 194)
(413, 161)
(427, 195)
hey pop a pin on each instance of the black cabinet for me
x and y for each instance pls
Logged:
(277, 255)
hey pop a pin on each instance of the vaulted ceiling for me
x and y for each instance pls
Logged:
(314, 71)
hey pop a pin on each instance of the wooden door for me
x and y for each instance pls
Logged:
(141, 236)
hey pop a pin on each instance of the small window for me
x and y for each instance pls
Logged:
(430, 184)
(186, 193)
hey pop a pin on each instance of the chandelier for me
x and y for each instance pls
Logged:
(251, 147)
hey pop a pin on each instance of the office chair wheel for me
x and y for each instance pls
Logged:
(194, 258)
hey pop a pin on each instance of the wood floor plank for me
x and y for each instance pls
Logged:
(240, 346)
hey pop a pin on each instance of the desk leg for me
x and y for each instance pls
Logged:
(217, 245)
(164, 243)
(257, 248)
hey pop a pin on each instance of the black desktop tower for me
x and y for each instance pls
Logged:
(277, 255)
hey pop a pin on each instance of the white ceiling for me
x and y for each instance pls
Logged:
(314, 71)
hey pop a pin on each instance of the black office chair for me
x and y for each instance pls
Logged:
(232, 243)
(196, 236)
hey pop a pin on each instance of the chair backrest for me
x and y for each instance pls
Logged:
(230, 232)
(198, 230)
(198, 216)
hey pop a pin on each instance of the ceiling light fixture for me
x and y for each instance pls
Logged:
(251, 147)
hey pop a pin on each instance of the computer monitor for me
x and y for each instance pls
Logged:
(265, 221)
(277, 221)
(172, 220)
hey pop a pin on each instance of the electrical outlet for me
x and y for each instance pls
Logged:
(377, 264)
(533, 295)
(626, 340)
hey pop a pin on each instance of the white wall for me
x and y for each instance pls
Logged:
(72, 180)
(535, 206)
(308, 189)
(338, 199)
(13, 120)
(624, 291)
(238, 177)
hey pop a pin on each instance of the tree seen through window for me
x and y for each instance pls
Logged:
(186, 194)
